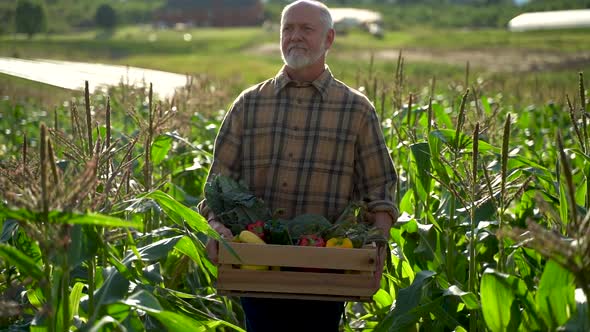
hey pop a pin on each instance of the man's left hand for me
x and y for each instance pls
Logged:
(383, 221)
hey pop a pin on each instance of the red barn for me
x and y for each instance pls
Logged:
(218, 13)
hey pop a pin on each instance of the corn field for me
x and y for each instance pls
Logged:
(100, 230)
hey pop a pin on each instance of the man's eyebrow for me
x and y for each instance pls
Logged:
(304, 24)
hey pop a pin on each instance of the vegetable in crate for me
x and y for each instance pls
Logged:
(233, 204)
(339, 242)
(306, 224)
(354, 213)
(277, 233)
(355, 232)
(311, 240)
(353, 224)
(257, 228)
(249, 237)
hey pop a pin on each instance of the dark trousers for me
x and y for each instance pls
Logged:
(282, 315)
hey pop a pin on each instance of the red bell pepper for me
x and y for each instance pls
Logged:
(257, 228)
(311, 240)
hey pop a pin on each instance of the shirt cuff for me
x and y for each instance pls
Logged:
(384, 206)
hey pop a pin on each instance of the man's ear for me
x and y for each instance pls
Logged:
(330, 38)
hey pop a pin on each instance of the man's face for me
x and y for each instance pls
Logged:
(303, 37)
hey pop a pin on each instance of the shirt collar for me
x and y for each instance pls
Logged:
(321, 83)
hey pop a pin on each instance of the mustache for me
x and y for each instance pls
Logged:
(292, 46)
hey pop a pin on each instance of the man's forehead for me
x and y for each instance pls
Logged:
(302, 13)
(301, 21)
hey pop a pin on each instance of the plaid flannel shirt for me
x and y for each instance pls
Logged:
(308, 147)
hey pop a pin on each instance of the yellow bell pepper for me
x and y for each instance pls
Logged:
(339, 242)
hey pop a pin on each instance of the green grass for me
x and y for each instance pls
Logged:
(227, 66)
(226, 54)
(459, 39)
(19, 88)
(146, 40)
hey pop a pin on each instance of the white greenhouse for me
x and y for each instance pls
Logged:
(346, 18)
(560, 19)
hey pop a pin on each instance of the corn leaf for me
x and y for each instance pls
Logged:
(160, 147)
(25, 265)
(382, 298)
(114, 289)
(75, 296)
(153, 251)
(188, 247)
(90, 218)
(172, 320)
(180, 213)
(407, 306)
(420, 170)
(468, 298)
(555, 295)
(499, 308)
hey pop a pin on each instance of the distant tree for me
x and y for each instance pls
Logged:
(30, 17)
(105, 17)
(6, 20)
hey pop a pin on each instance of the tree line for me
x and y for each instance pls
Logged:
(30, 16)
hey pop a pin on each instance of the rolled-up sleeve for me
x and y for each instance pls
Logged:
(374, 168)
(227, 149)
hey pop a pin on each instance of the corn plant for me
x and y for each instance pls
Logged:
(94, 240)
(448, 262)
(99, 230)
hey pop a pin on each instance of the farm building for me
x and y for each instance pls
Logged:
(218, 13)
(561, 19)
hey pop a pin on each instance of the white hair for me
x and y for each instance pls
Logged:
(325, 16)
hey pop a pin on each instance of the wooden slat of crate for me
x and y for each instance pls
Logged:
(328, 285)
(341, 286)
(298, 256)
(317, 297)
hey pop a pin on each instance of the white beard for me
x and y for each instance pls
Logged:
(297, 61)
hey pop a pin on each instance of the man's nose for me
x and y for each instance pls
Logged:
(296, 35)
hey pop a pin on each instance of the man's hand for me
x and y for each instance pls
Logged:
(381, 257)
(212, 246)
(383, 221)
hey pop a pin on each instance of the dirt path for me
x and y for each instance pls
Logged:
(494, 60)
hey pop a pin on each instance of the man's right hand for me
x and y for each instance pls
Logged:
(212, 246)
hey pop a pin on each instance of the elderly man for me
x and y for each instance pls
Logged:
(306, 143)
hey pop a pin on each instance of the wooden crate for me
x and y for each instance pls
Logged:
(346, 274)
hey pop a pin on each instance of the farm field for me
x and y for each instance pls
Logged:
(244, 56)
(99, 190)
